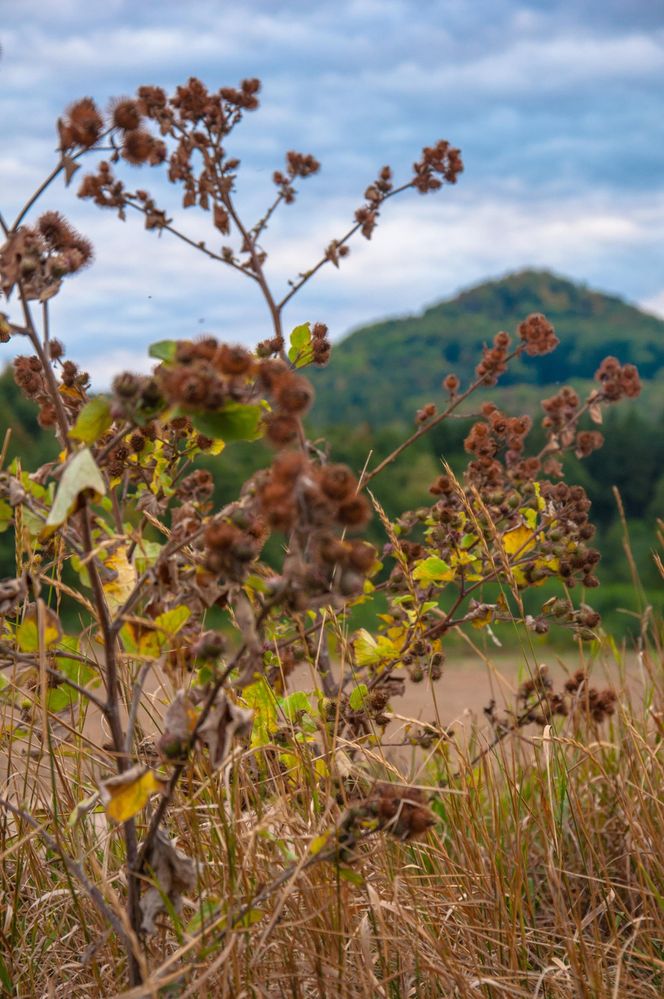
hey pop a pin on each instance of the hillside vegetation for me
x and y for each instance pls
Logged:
(367, 396)
(382, 373)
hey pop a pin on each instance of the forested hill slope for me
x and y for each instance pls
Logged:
(382, 373)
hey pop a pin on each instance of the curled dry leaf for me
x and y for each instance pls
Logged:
(125, 795)
(174, 873)
(12, 593)
(225, 721)
(17, 493)
(82, 809)
(245, 620)
(179, 724)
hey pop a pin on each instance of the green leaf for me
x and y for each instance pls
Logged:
(81, 673)
(129, 639)
(60, 698)
(348, 874)
(81, 475)
(93, 420)
(163, 350)
(166, 625)
(208, 911)
(358, 697)
(6, 516)
(204, 675)
(208, 908)
(171, 621)
(301, 350)
(5, 978)
(260, 697)
(249, 918)
(147, 553)
(433, 570)
(235, 422)
(295, 704)
(82, 571)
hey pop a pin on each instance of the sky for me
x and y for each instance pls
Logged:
(556, 106)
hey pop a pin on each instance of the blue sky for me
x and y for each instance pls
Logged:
(557, 107)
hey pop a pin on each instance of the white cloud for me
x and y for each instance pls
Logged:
(528, 67)
(544, 109)
(142, 288)
(654, 304)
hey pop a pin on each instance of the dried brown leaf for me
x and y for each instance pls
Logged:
(225, 721)
(173, 872)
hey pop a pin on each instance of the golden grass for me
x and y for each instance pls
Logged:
(543, 876)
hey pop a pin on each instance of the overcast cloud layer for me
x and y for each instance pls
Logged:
(556, 106)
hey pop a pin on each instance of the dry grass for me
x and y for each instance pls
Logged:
(542, 877)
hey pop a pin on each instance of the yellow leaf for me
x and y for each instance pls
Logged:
(321, 768)
(370, 651)
(530, 516)
(433, 570)
(473, 574)
(520, 540)
(483, 619)
(27, 633)
(462, 558)
(551, 563)
(118, 590)
(125, 795)
(71, 392)
(318, 843)
(216, 447)
(396, 635)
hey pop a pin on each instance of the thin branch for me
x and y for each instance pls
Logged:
(275, 310)
(55, 172)
(29, 660)
(36, 195)
(167, 795)
(136, 695)
(261, 225)
(45, 323)
(192, 242)
(77, 871)
(307, 275)
(426, 427)
(63, 423)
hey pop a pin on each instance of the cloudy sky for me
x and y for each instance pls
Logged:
(557, 107)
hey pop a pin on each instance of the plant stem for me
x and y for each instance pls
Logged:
(426, 427)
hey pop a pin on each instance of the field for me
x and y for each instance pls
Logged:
(286, 717)
(541, 876)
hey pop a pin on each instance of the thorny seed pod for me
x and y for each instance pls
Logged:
(401, 811)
